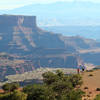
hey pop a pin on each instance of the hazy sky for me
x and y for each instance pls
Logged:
(10, 4)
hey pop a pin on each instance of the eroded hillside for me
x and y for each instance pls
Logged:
(20, 36)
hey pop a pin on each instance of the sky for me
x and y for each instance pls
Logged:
(11, 4)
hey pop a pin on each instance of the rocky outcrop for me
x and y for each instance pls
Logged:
(13, 20)
(12, 64)
(20, 34)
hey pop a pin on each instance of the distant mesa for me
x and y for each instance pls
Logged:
(15, 20)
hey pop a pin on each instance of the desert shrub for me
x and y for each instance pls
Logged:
(90, 92)
(98, 89)
(90, 74)
(8, 87)
(88, 95)
(75, 80)
(5, 96)
(17, 95)
(56, 86)
(39, 92)
(97, 97)
(75, 95)
(62, 87)
(49, 78)
(86, 88)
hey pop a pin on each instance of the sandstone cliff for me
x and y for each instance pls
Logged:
(20, 35)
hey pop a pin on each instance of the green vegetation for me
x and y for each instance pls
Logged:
(36, 74)
(97, 97)
(16, 95)
(9, 87)
(56, 86)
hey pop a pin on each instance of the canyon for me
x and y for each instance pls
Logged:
(25, 47)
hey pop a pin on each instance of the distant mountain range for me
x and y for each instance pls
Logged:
(61, 13)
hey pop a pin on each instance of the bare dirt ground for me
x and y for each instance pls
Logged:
(91, 81)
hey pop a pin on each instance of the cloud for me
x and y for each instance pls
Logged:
(11, 4)
(93, 1)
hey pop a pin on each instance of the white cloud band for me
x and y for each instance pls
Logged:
(10, 4)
